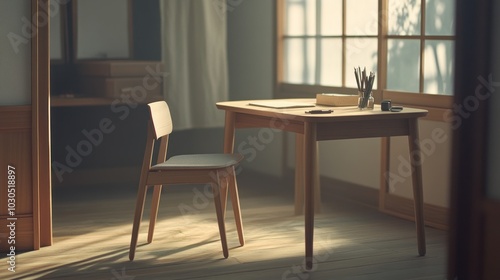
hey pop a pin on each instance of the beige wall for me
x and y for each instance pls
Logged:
(15, 50)
(358, 161)
(435, 138)
(250, 46)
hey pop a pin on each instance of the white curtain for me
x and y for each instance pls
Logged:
(194, 51)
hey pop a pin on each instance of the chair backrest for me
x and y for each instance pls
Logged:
(160, 116)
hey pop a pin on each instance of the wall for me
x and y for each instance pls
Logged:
(146, 29)
(357, 161)
(15, 50)
(435, 139)
(250, 47)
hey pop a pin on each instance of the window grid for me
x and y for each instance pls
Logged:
(382, 37)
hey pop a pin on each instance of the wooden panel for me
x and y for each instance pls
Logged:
(435, 216)
(439, 106)
(14, 118)
(23, 233)
(16, 149)
(423, 100)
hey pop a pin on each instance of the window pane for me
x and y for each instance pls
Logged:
(300, 17)
(439, 17)
(438, 71)
(404, 17)
(300, 61)
(360, 52)
(331, 17)
(331, 62)
(56, 42)
(403, 64)
(111, 19)
(362, 17)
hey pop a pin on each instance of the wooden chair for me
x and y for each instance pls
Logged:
(214, 169)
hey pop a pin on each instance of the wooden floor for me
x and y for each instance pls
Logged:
(92, 233)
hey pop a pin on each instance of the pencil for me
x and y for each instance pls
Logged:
(357, 79)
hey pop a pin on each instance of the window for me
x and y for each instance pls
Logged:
(407, 43)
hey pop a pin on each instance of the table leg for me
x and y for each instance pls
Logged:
(299, 176)
(299, 173)
(309, 151)
(230, 185)
(229, 128)
(415, 159)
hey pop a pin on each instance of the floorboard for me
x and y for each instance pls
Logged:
(92, 233)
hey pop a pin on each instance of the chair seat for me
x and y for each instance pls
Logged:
(199, 161)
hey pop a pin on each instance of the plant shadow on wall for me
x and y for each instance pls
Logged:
(404, 54)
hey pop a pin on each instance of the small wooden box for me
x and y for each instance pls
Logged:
(336, 99)
(120, 68)
(117, 87)
(116, 78)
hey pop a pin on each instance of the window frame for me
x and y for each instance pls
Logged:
(439, 106)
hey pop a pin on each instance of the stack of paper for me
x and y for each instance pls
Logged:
(336, 99)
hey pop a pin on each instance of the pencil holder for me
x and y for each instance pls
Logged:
(366, 101)
(365, 85)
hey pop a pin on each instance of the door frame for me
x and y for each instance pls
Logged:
(40, 108)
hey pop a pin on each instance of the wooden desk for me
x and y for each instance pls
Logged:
(343, 123)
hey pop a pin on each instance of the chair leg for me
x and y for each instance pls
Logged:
(223, 194)
(154, 211)
(220, 218)
(139, 209)
(233, 189)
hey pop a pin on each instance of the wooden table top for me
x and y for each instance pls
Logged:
(339, 113)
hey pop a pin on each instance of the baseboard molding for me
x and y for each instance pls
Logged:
(435, 216)
(401, 207)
